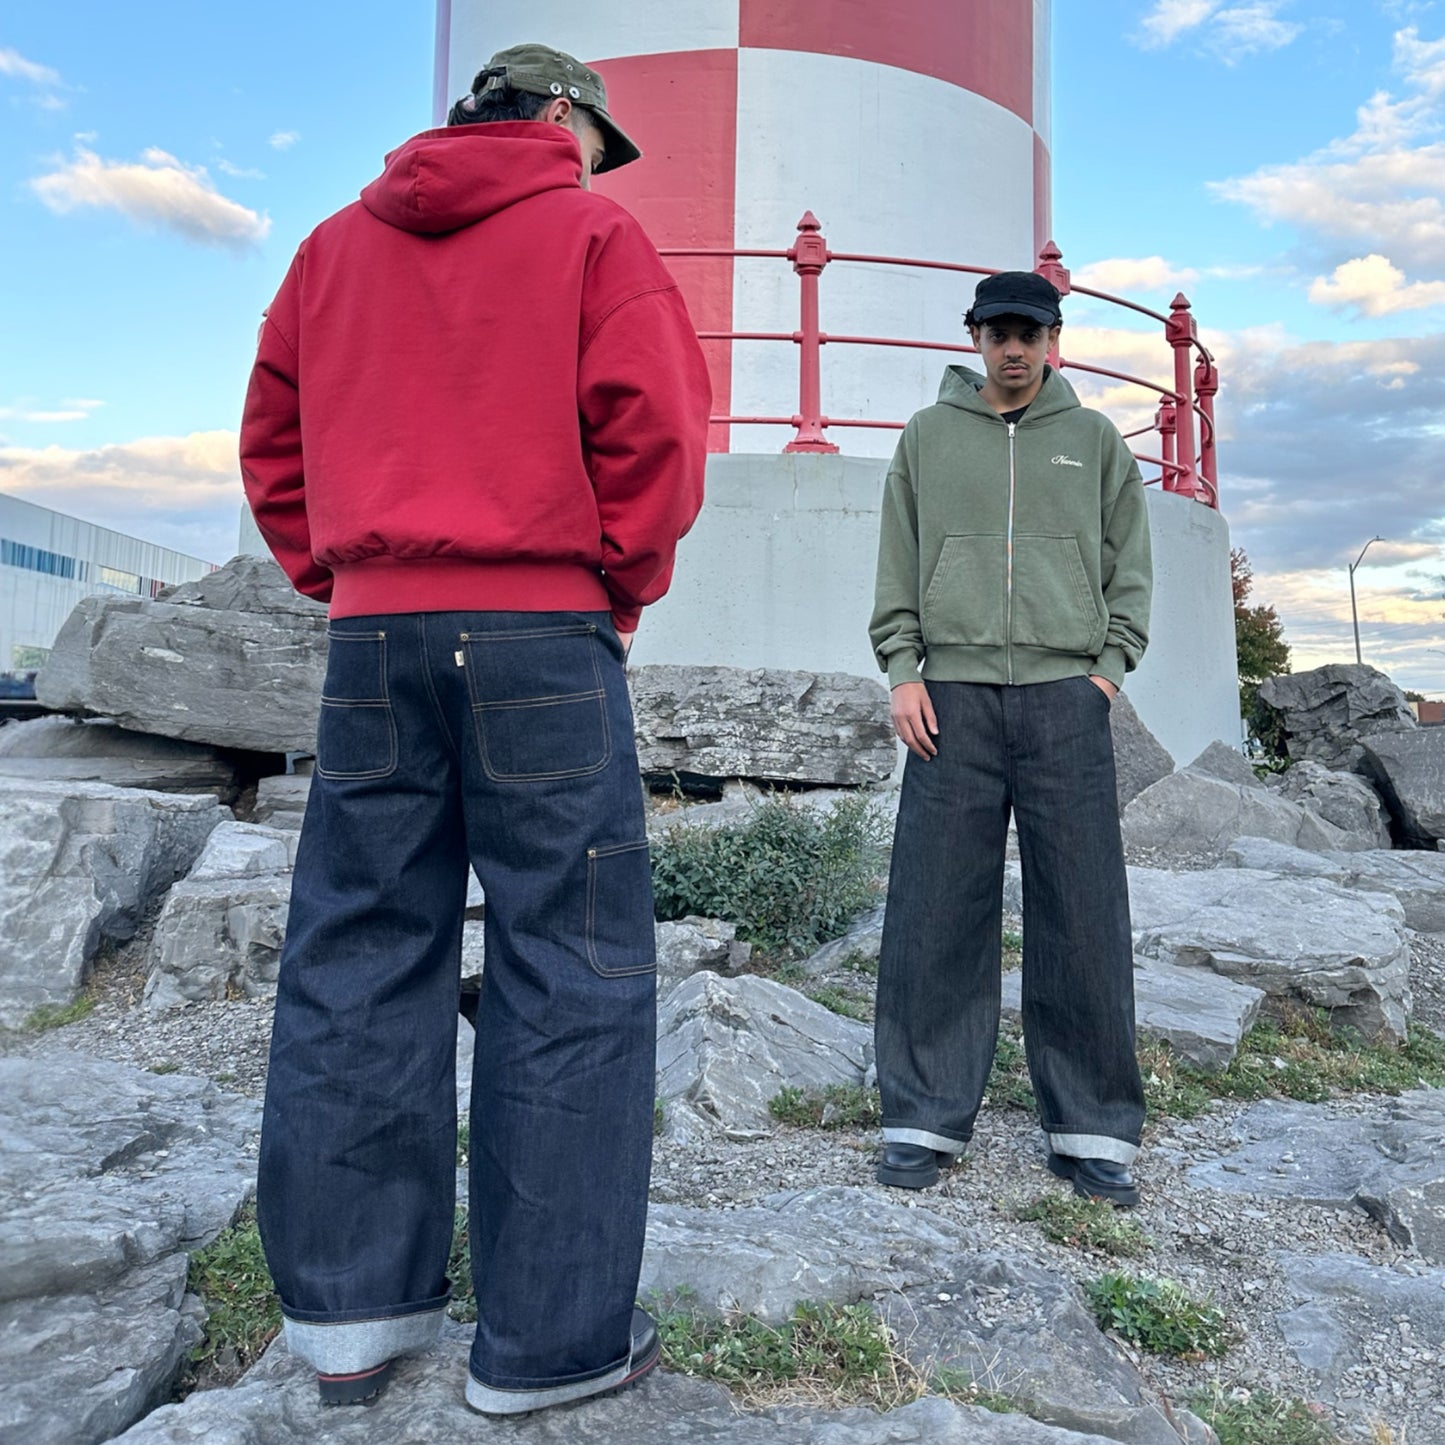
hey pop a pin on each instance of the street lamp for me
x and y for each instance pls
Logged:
(1354, 615)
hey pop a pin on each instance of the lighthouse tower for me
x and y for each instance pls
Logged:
(909, 128)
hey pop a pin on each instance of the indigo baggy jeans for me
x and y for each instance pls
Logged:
(504, 739)
(1045, 753)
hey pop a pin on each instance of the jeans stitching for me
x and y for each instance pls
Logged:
(384, 701)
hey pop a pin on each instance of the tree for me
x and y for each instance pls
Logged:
(1259, 643)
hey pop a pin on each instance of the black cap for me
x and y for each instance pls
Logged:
(1016, 293)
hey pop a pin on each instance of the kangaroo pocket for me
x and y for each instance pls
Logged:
(964, 603)
(1054, 604)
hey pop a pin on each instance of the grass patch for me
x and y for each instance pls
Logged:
(790, 878)
(1253, 1417)
(57, 1015)
(859, 962)
(463, 1304)
(464, 1142)
(1160, 1316)
(843, 1001)
(961, 1387)
(226, 1078)
(168, 1067)
(1172, 1086)
(1008, 1079)
(243, 1312)
(839, 1106)
(1086, 1224)
(823, 1354)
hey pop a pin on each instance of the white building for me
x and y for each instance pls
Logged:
(49, 561)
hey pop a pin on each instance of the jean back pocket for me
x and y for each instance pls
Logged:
(356, 732)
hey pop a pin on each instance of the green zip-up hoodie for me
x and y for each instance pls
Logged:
(1011, 553)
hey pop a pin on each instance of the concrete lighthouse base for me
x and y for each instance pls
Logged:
(778, 572)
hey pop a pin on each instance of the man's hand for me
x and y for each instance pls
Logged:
(1104, 686)
(625, 638)
(913, 718)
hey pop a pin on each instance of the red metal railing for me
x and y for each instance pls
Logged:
(1183, 422)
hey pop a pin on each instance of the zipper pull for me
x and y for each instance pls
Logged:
(1011, 426)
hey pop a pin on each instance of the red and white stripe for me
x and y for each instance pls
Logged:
(909, 127)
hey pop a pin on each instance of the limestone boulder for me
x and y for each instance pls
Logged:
(281, 800)
(1328, 712)
(688, 945)
(1416, 879)
(727, 1046)
(236, 659)
(1220, 760)
(1302, 939)
(1408, 771)
(861, 944)
(79, 865)
(1344, 799)
(1192, 812)
(1388, 1161)
(727, 722)
(1198, 1015)
(109, 1175)
(1139, 757)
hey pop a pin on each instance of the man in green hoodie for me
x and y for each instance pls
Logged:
(1013, 594)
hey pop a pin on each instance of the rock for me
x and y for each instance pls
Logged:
(1389, 1162)
(1222, 761)
(236, 659)
(725, 1047)
(1199, 1015)
(65, 750)
(276, 1405)
(727, 722)
(834, 1244)
(1328, 712)
(474, 953)
(1192, 812)
(1139, 757)
(861, 943)
(1344, 799)
(281, 800)
(1415, 878)
(1346, 1322)
(79, 865)
(1019, 1328)
(1298, 938)
(690, 944)
(110, 1175)
(1408, 771)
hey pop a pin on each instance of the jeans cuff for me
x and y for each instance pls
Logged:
(496, 1400)
(346, 1347)
(940, 1142)
(1094, 1146)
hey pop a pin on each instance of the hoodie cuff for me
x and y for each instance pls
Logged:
(1111, 664)
(903, 667)
(626, 619)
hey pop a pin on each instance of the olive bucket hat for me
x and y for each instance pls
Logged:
(540, 70)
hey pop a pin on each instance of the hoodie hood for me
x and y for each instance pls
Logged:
(960, 388)
(442, 180)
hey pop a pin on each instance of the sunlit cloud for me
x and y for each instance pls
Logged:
(241, 173)
(157, 191)
(1373, 287)
(72, 408)
(1123, 275)
(1230, 32)
(283, 140)
(14, 64)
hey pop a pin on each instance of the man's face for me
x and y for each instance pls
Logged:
(1014, 350)
(589, 135)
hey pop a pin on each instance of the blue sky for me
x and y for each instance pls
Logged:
(1282, 161)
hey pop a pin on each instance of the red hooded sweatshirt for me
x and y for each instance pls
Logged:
(478, 389)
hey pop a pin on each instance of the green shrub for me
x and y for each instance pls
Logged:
(56, 1016)
(839, 1106)
(1085, 1224)
(243, 1312)
(1253, 1417)
(1159, 1315)
(790, 878)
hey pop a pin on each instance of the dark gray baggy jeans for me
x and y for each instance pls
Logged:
(1043, 751)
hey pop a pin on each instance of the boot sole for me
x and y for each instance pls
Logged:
(908, 1178)
(354, 1389)
(1065, 1168)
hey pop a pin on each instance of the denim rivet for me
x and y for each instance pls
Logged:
(591, 852)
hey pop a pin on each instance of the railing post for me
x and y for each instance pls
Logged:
(1051, 267)
(809, 255)
(1206, 385)
(1166, 423)
(1180, 333)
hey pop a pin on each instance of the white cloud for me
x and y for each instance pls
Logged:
(158, 190)
(71, 409)
(13, 63)
(242, 173)
(1121, 275)
(181, 492)
(1230, 32)
(283, 140)
(1374, 287)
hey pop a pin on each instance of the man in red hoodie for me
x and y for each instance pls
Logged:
(476, 428)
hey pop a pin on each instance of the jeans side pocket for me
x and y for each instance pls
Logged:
(620, 931)
(356, 731)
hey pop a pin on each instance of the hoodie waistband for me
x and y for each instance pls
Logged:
(382, 585)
